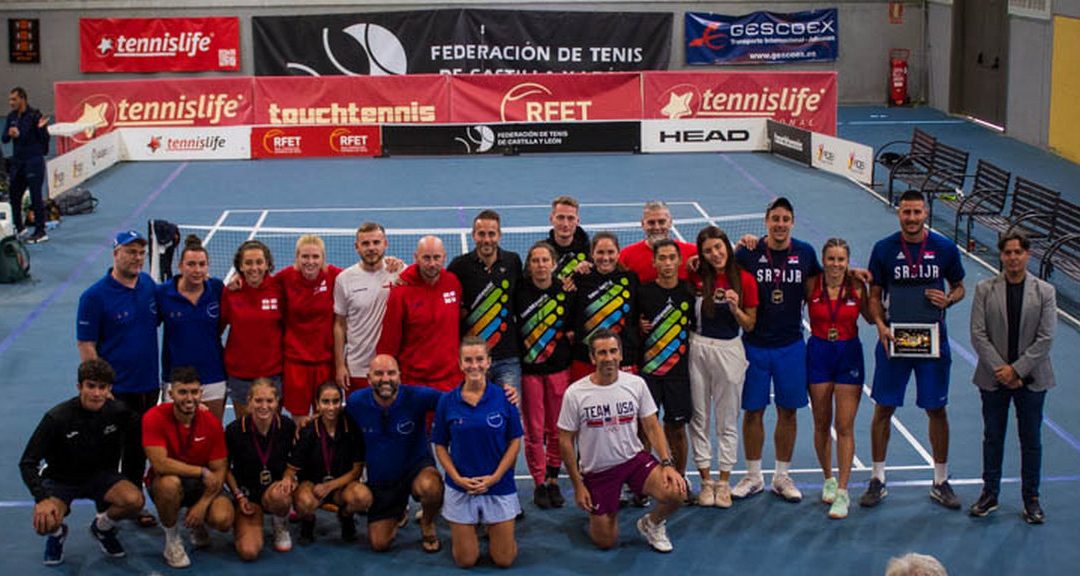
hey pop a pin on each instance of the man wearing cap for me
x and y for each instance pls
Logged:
(117, 321)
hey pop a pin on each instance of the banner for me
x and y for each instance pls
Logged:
(315, 141)
(702, 135)
(848, 159)
(69, 170)
(159, 44)
(460, 41)
(169, 102)
(352, 100)
(804, 99)
(202, 143)
(512, 138)
(762, 37)
(790, 142)
(546, 97)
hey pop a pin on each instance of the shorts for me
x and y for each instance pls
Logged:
(94, 489)
(192, 488)
(673, 395)
(785, 367)
(239, 388)
(839, 362)
(461, 508)
(506, 371)
(390, 499)
(301, 380)
(605, 486)
(210, 392)
(357, 383)
(891, 377)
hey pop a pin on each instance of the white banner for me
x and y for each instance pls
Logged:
(849, 159)
(704, 135)
(73, 168)
(187, 143)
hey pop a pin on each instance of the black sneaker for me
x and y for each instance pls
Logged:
(943, 494)
(307, 531)
(348, 527)
(555, 495)
(1033, 513)
(875, 493)
(986, 504)
(54, 547)
(541, 497)
(639, 501)
(107, 539)
(37, 238)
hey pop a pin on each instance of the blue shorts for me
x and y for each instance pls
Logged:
(784, 366)
(839, 362)
(461, 508)
(506, 371)
(891, 376)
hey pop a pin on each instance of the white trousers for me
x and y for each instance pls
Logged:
(717, 373)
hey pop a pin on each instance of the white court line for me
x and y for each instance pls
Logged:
(217, 225)
(434, 231)
(678, 234)
(254, 231)
(486, 207)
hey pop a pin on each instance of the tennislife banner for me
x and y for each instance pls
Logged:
(762, 37)
(315, 141)
(512, 138)
(460, 41)
(187, 143)
(159, 44)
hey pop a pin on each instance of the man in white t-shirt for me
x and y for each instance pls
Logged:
(599, 417)
(360, 294)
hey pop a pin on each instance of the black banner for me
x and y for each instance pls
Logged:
(790, 142)
(24, 40)
(408, 140)
(461, 41)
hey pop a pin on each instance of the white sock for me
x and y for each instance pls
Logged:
(753, 469)
(277, 521)
(59, 531)
(782, 468)
(941, 472)
(171, 533)
(877, 470)
(104, 523)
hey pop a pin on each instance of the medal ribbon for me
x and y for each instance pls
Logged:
(907, 253)
(776, 282)
(327, 451)
(833, 312)
(264, 457)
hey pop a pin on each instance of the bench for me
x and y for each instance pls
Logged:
(1032, 211)
(915, 163)
(1061, 251)
(989, 191)
(948, 170)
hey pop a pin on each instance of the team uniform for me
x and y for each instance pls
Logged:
(192, 334)
(396, 445)
(320, 457)
(605, 301)
(639, 258)
(360, 297)
(665, 354)
(775, 348)
(258, 460)
(199, 444)
(477, 438)
(488, 309)
(833, 351)
(904, 271)
(309, 336)
(571, 255)
(610, 452)
(254, 347)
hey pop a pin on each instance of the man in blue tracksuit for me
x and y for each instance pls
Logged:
(26, 130)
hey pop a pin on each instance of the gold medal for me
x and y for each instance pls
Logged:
(834, 334)
(265, 478)
(778, 296)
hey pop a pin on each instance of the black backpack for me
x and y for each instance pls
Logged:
(78, 200)
(14, 261)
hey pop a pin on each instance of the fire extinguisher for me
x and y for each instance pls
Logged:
(898, 76)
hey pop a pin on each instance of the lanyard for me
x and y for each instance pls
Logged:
(833, 312)
(779, 277)
(907, 253)
(264, 457)
(327, 451)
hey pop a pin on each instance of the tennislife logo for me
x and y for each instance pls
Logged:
(102, 113)
(688, 101)
(165, 45)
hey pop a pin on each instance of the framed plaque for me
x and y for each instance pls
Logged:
(912, 340)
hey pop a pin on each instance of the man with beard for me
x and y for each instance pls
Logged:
(656, 223)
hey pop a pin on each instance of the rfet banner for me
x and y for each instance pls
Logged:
(170, 102)
(315, 141)
(461, 41)
(762, 37)
(546, 97)
(159, 44)
(339, 100)
(804, 99)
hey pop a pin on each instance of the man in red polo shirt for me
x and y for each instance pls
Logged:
(656, 223)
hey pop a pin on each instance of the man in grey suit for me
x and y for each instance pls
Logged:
(1013, 318)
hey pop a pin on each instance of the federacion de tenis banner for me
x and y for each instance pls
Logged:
(762, 37)
(159, 44)
(460, 41)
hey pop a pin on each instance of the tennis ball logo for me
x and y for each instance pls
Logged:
(518, 93)
(481, 137)
(383, 51)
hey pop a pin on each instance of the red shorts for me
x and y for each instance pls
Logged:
(604, 486)
(300, 381)
(357, 383)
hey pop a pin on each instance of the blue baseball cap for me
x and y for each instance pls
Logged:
(127, 237)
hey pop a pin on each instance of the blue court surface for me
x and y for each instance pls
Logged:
(228, 202)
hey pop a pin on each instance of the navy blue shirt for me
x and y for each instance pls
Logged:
(123, 323)
(778, 324)
(395, 436)
(33, 142)
(905, 270)
(191, 336)
(477, 436)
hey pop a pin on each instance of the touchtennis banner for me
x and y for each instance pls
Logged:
(460, 41)
(423, 99)
(546, 97)
(159, 44)
(762, 37)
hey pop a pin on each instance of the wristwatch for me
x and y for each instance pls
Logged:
(667, 462)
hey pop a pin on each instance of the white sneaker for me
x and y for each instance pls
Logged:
(748, 487)
(655, 534)
(784, 487)
(282, 538)
(723, 494)
(200, 538)
(175, 555)
(706, 497)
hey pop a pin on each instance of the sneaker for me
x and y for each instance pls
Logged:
(541, 497)
(625, 496)
(691, 498)
(200, 538)
(37, 238)
(555, 495)
(707, 495)
(875, 493)
(722, 493)
(1033, 512)
(175, 555)
(655, 534)
(828, 490)
(307, 531)
(784, 487)
(348, 527)
(943, 494)
(838, 510)
(748, 487)
(282, 538)
(640, 501)
(107, 539)
(986, 504)
(54, 547)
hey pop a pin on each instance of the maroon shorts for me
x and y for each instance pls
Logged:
(604, 487)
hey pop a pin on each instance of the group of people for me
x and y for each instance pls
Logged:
(343, 380)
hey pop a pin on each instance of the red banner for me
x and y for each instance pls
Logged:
(336, 100)
(804, 99)
(315, 141)
(159, 44)
(104, 106)
(546, 97)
